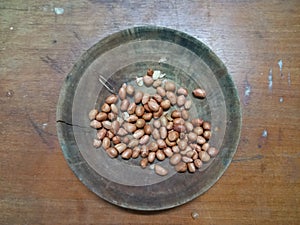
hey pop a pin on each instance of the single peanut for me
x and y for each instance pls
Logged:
(101, 133)
(212, 151)
(140, 123)
(114, 109)
(161, 143)
(112, 152)
(175, 159)
(105, 143)
(206, 125)
(172, 97)
(131, 108)
(127, 153)
(122, 93)
(97, 143)
(157, 83)
(198, 163)
(139, 110)
(163, 132)
(148, 129)
(181, 167)
(160, 155)
(92, 114)
(168, 152)
(159, 113)
(129, 127)
(138, 96)
(204, 156)
(111, 99)
(199, 93)
(201, 140)
(160, 170)
(106, 124)
(120, 147)
(144, 139)
(130, 90)
(151, 157)
(182, 91)
(188, 104)
(138, 133)
(170, 86)
(161, 91)
(180, 100)
(191, 167)
(144, 163)
(101, 116)
(147, 116)
(95, 124)
(148, 81)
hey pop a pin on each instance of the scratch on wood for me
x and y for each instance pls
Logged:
(251, 158)
(52, 63)
(41, 132)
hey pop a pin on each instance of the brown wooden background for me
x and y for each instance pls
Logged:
(39, 44)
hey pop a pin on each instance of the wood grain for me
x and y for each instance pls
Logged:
(39, 47)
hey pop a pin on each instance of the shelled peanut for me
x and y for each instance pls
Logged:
(135, 124)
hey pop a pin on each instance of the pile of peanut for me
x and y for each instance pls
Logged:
(134, 124)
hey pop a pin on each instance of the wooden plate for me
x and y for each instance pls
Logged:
(121, 57)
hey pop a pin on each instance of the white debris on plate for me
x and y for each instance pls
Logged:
(156, 74)
(125, 116)
(139, 81)
(162, 60)
(162, 75)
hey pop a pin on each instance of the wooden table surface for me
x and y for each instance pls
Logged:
(259, 42)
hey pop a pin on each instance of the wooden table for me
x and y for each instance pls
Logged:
(259, 42)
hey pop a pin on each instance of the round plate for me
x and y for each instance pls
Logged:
(119, 58)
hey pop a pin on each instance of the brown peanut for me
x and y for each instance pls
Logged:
(139, 110)
(191, 167)
(138, 96)
(181, 167)
(111, 99)
(161, 91)
(95, 124)
(144, 139)
(144, 163)
(140, 123)
(172, 97)
(212, 151)
(157, 83)
(138, 133)
(199, 93)
(148, 129)
(181, 100)
(148, 81)
(175, 159)
(101, 116)
(92, 114)
(170, 86)
(160, 155)
(182, 91)
(120, 147)
(168, 152)
(151, 157)
(131, 108)
(106, 143)
(127, 153)
(130, 90)
(97, 143)
(160, 170)
(112, 152)
(129, 127)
